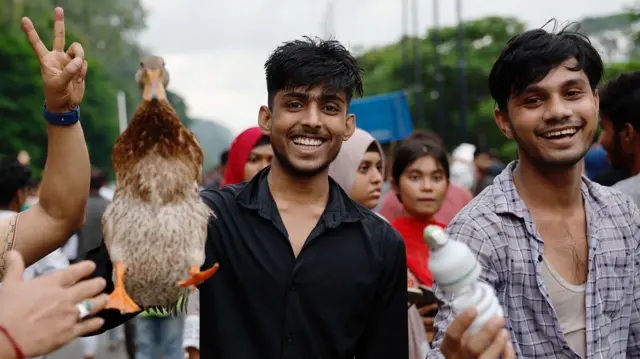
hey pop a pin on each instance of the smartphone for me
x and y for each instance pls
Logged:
(422, 296)
(415, 295)
(429, 296)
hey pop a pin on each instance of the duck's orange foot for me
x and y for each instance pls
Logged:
(119, 299)
(198, 277)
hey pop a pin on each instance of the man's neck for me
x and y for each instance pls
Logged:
(549, 188)
(295, 190)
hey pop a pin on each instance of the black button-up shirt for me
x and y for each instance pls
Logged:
(344, 296)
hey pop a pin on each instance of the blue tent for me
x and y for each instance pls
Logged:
(386, 117)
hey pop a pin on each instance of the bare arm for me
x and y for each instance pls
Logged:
(65, 184)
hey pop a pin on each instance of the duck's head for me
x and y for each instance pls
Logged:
(153, 78)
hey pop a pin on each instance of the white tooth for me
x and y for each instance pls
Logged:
(305, 141)
(568, 131)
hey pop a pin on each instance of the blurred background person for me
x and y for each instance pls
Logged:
(249, 153)
(455, 199)
(359, 167)
(420, 180)
(619, 111)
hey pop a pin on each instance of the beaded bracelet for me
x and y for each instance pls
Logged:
(16, 347)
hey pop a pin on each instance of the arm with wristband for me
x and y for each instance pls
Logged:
(39, 316)
(65, 184)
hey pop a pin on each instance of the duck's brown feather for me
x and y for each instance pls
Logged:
(157, 222)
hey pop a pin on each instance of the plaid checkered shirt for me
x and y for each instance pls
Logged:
(499, 229)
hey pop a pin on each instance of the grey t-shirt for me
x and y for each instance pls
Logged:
(631, 187)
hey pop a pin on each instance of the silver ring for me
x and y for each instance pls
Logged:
(84, 308)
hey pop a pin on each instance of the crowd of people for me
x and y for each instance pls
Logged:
(318, 228)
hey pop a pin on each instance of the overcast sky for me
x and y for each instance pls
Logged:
(215, 50)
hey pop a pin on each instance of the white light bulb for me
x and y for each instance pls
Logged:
(456, 269)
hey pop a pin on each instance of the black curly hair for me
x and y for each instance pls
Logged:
(312, 62)
(529, 57)
(14, 176)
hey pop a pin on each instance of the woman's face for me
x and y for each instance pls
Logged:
(368, 183)
(259, 158)
(422, 187)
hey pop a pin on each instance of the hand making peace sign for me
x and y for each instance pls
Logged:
(63, 73)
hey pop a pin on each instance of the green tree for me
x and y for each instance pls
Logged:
(107, 30)
(483, 40)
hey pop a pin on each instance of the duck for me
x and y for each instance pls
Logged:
(155, 228)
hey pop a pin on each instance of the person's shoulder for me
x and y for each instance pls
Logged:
(369, 217)
(616, 209)
(479, 212)
(610, 199)
(628, 185)
(217, 198)
(378, 226)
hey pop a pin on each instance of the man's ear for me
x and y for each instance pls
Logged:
(350, 123)
(628, 136)
(502, 120)
(264, 120)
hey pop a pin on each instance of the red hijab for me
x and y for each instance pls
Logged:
(239, 155)
(412, 231)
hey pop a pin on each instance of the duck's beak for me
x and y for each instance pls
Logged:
(154, 88)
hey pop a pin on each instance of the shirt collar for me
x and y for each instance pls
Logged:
(256, 196)
(507, 200)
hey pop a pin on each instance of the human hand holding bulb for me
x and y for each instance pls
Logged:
(479, 328)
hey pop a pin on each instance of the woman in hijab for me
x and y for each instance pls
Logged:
(359, 170)
(249, 153)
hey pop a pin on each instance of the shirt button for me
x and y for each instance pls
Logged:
(289, 338)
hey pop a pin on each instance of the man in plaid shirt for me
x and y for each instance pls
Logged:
(562, 252)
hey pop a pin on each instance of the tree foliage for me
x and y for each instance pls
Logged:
(107, 30)
(386, 70)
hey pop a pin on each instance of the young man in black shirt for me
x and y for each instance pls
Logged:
(304, 271)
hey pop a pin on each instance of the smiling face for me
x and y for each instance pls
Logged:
(307, 127)
(554, 120)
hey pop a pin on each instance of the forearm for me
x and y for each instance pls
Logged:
(65, 182)
(63, 195)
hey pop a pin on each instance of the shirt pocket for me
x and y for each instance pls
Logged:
(612, 282)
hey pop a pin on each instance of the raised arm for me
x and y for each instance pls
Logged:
(65, 184)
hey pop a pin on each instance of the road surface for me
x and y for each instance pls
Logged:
(73, 350)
